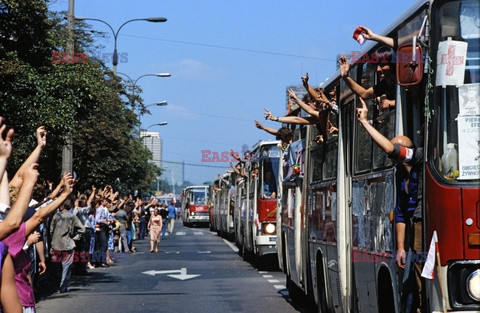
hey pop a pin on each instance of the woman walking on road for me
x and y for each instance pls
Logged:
(155, 227)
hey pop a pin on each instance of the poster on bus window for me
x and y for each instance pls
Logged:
(469, 99)
(451, 59)
(469, 147)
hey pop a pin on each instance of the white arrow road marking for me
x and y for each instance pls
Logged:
(153, 272)
(182, 276)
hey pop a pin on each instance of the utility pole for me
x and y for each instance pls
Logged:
(67, 154)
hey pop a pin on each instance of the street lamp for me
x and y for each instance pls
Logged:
(159, 104)
(157, 124)
(115, 33)
(133, 82)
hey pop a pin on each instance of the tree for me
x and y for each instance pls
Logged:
(80, 100)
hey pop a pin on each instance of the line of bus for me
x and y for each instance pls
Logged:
(336, 192)
(340, 204)
(245, 208)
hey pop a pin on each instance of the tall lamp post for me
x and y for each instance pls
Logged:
(115, 33)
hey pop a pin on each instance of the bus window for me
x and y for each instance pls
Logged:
(385, 124)
(269, 182)
(363, 141)
(457, 113)
(199, 196)
(316, 154)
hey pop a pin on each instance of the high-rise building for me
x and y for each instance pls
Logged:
(153, 142)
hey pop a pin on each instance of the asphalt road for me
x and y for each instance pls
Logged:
(194, 271)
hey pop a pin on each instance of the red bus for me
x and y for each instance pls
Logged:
(342, 206)
(256, 202)
(194, 205)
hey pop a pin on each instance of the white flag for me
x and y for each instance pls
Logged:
(430, 262)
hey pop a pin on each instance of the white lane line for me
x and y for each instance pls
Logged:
(273, 281)
(262, 272)
(267, 276)
(204, 252)
(197, 233)
(279, 286)
(231, 245)
(181, 233)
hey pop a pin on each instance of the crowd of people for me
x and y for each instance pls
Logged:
(46, 233)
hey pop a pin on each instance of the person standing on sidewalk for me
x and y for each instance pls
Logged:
(122, 217)
(171, 217)
(163, 213)
(62, 227)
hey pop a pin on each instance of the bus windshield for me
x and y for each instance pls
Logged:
(270, 159)
(199, 196)
(456, 146)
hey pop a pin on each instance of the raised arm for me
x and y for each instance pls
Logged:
(267, 129)
(5, 148)
(381, 140)
(292, 119)
(14, 217)
(234, 168)
(57, 190)
(370, 35)
(33, 158)
(320, 97)
(4, 190)
(356, 88)
(43, 213)
(92, 196)
(302, 104)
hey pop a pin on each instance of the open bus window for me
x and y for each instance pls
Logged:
(456, 152)
(384, 122)
(363, 141)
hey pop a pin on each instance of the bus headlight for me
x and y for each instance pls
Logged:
(269, 228)
(192, 213)
(473, 285)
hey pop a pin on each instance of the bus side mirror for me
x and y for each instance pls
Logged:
(410, 63)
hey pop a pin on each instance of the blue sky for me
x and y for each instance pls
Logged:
(229, 60)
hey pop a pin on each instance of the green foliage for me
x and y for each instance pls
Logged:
(82, 101)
